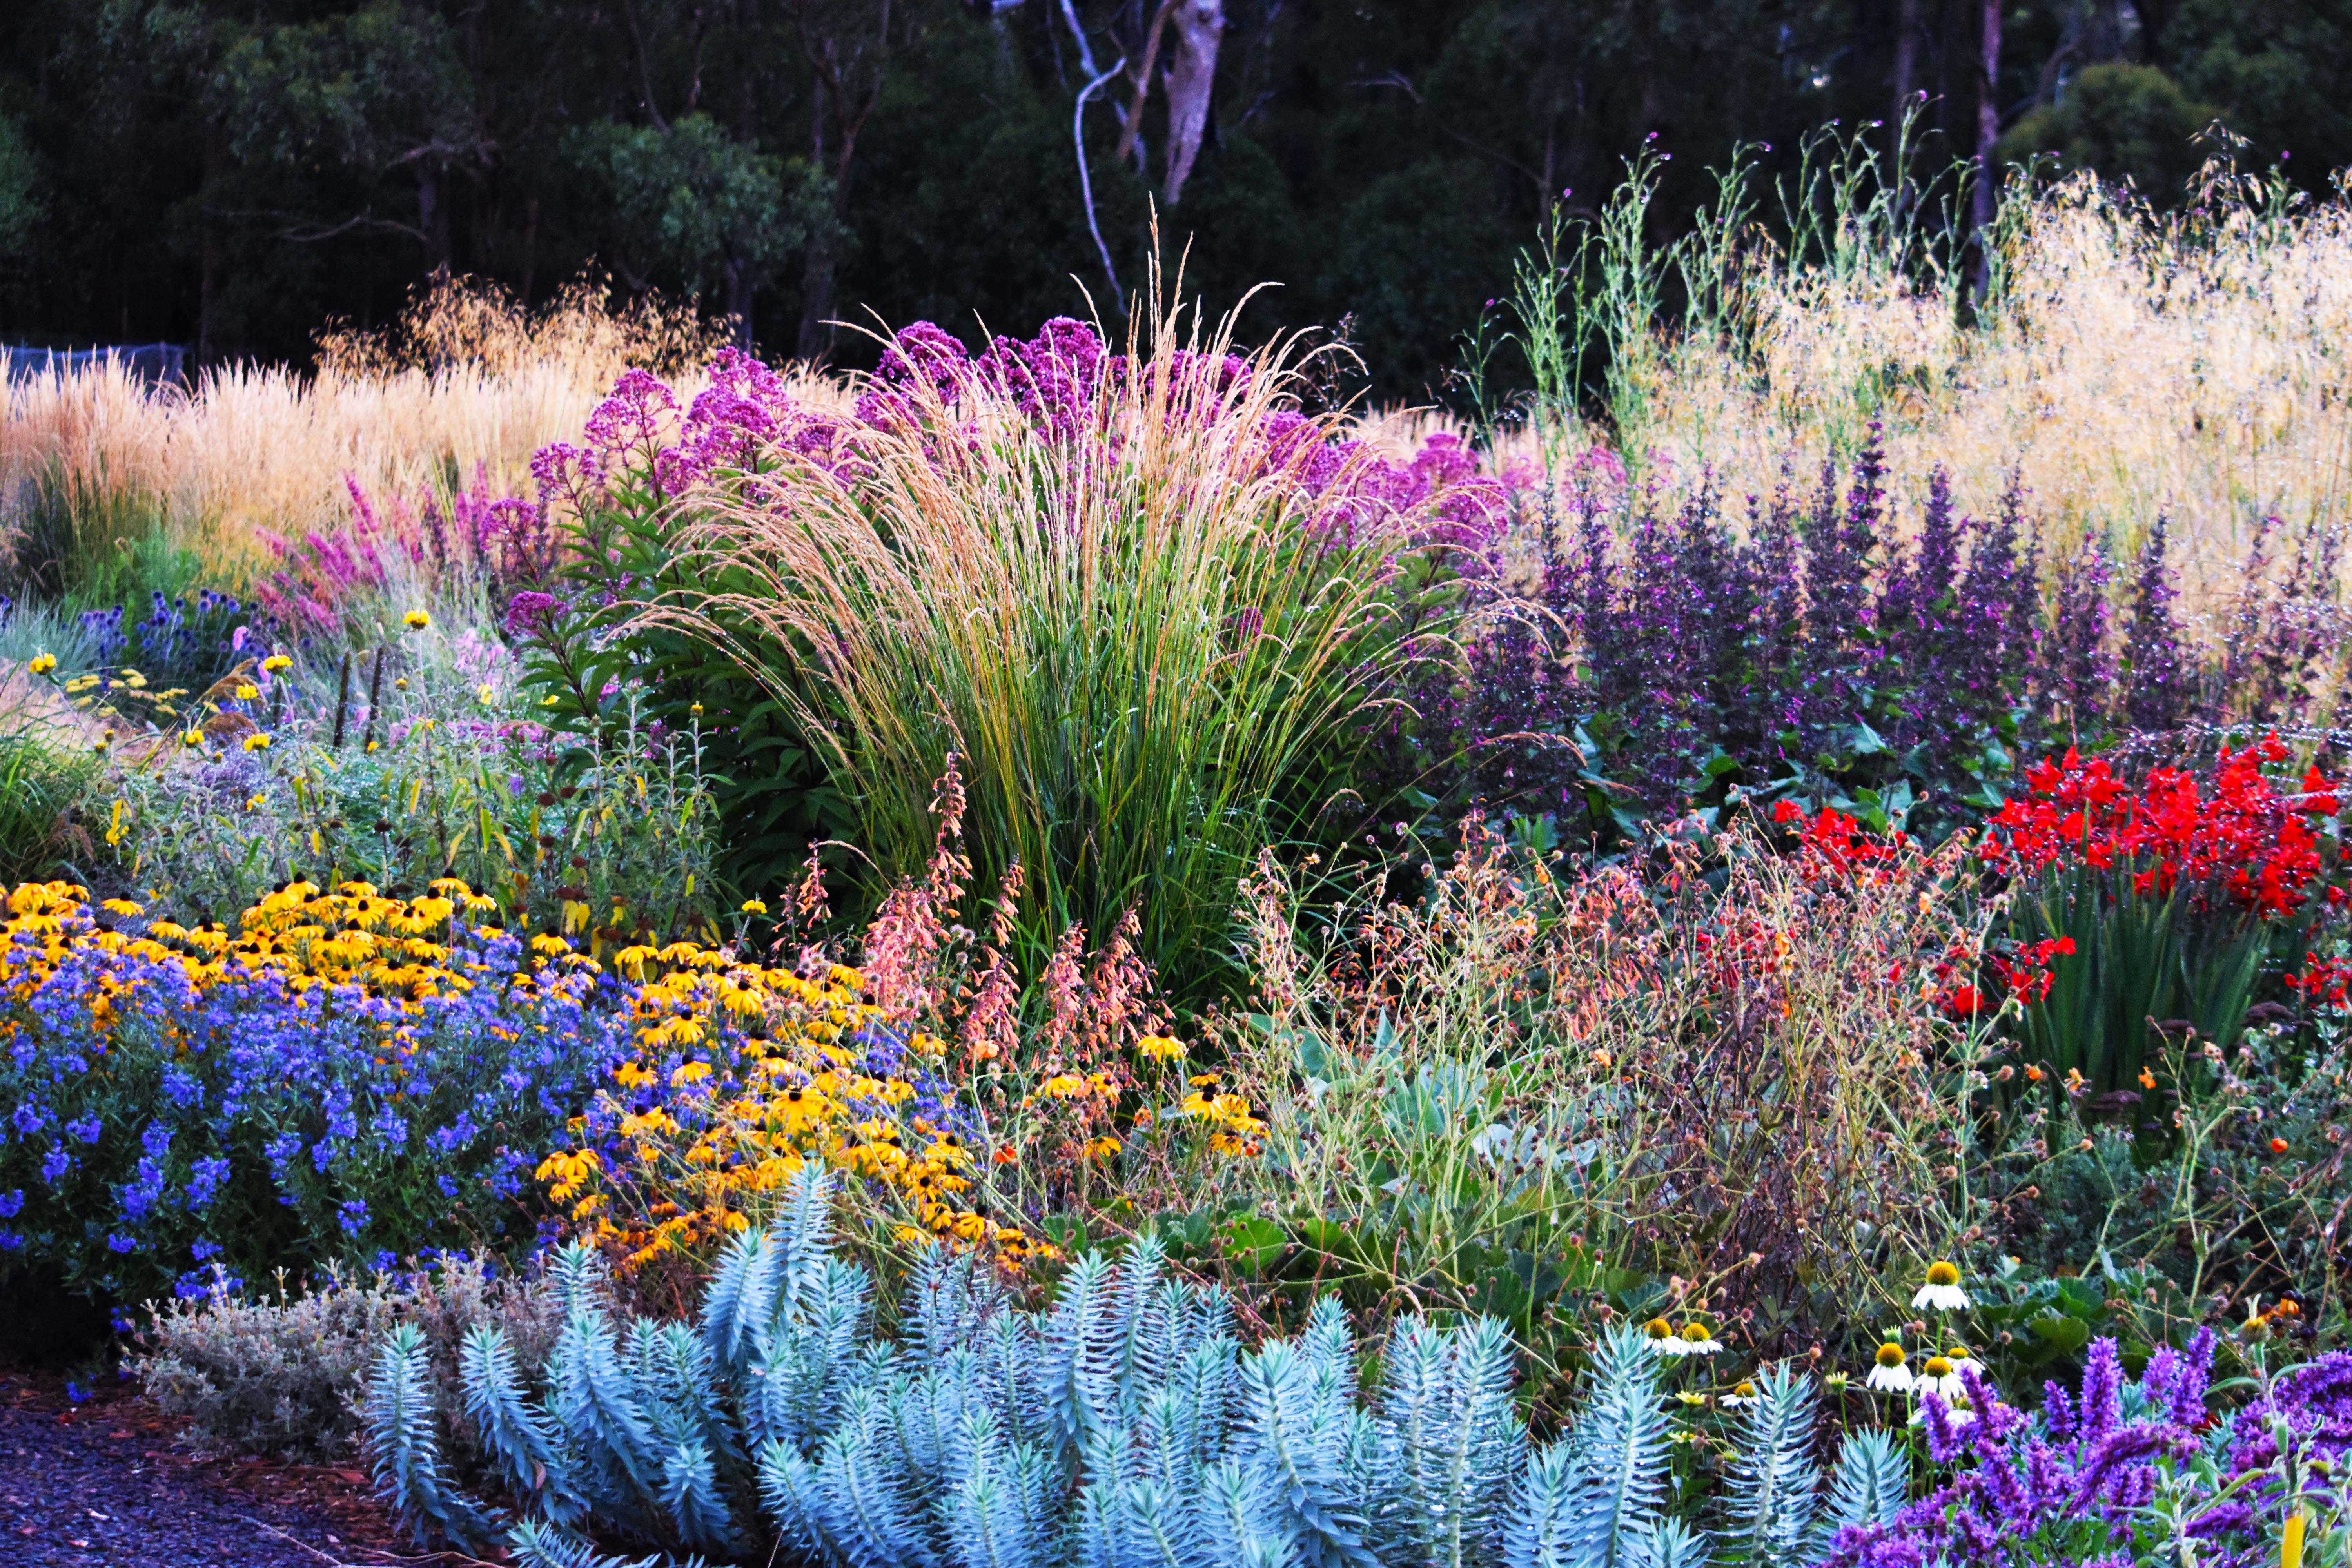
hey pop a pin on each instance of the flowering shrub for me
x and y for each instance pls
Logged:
(915, 1072)
(264, 779)
(743, 1076)
(346, 1077)
(177, 641)
(332, 584)
(1621, 659)
(2243, 842)
(1538, 1094)
(1648, 663)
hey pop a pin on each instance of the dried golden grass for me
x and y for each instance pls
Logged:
(2133, 364)
(466, 380)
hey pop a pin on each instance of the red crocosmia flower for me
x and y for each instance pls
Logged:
(2244, 840)
(2319, 798)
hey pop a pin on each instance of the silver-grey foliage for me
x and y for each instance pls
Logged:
(1123, 1427)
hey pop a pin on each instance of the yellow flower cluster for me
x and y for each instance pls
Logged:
(716, 1138)
(1236, 1130)
(353, 935)
(305, 935)
(46, 922)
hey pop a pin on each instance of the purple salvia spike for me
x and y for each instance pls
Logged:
(2103, 1383)
(2157, 697)
(2161, 1377)
(1944, 1439)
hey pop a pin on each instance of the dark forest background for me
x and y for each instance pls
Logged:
(234, 175)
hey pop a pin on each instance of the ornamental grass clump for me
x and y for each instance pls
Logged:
(466, 380)
(1146, 600)
(2121, 360)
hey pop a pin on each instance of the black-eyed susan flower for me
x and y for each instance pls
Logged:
(1942, 1291)
(416, 620)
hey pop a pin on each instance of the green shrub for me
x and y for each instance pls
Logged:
(428, 762)
(1540, 1096)
(44, 776)
(77, 538)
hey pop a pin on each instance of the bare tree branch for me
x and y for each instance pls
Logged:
(1134, 118)
(1085, 181)
(645, 71)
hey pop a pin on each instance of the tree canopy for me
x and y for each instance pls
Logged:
(236, 174)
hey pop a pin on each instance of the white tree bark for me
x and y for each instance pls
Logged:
(1191, 77)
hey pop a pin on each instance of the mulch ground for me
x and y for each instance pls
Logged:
(105, 1483)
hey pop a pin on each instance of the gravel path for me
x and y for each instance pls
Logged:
(101, 1485)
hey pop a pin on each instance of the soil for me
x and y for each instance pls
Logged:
(104, 1483)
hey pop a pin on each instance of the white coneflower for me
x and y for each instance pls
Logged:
(1697, 1340)
(1741, 1394)
(1890, 1375)
(1662, 1337)
(1942, 1291)
(1961, 1360)
(1937, 1373)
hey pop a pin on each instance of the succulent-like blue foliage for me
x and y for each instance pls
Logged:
(1123, 1427)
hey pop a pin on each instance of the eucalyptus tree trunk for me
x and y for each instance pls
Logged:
(1192, 82)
